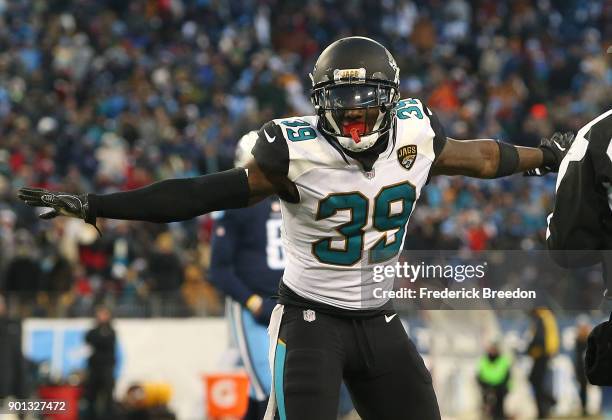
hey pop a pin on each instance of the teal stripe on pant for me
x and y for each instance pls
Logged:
(279, 370)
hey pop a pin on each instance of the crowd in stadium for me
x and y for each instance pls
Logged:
(112, 95)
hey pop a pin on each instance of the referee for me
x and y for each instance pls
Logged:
(580, 227)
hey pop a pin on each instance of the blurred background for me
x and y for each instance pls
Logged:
(108, 95)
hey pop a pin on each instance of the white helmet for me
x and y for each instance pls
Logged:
(244, 147)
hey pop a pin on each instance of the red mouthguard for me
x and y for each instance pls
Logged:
(354, 129)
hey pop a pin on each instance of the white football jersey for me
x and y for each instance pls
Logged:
(347, 220)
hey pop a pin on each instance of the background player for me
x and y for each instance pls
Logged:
(247, 261)
(348, 179)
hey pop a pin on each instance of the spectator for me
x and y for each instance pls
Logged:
(166, 276)
(139, 404)
(101, 367)
(583, 329)
(199, 295)
(543, 346)
(12, 363)
(23, 273)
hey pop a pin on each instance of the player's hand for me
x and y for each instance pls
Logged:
(254, 304)
(261, 308)
(263, 318)
(554, 149)
(61, 204)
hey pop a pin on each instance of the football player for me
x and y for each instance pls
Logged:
(348, 179)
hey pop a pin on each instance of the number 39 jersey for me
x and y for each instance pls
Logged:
(346, 220)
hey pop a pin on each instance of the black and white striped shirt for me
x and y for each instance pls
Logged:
(580, 227)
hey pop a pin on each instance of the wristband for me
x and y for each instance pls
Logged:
(549, 160)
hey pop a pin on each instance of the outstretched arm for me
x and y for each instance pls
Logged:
(165, 201)
(492, 159)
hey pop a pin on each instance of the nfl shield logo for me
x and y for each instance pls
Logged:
(309, 315)
(406, 155)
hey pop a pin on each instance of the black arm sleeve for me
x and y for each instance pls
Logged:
(174, 200)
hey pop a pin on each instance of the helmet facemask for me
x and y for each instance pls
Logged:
(356, 114)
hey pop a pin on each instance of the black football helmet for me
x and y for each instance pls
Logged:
(355, 88)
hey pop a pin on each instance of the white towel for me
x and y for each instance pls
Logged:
(273, 330)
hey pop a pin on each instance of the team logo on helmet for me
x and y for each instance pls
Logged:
(406, 155)
(358, 74)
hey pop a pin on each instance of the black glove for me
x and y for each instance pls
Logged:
(62, 204)
(554, 150)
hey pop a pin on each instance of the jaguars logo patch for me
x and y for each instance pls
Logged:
(406, 155)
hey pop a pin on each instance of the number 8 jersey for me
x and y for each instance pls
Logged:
(347, 219)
